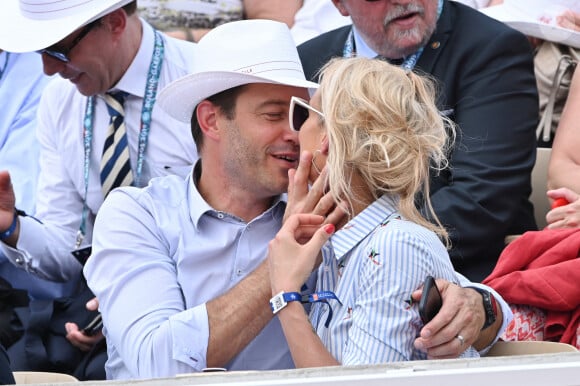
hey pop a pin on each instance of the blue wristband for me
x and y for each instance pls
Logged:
(8, 232)
(282, 299)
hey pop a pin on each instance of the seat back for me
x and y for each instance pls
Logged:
(31, 377)
(540, 186)
(528, 347)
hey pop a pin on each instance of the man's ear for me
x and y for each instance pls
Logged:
(116, 21)
(207, 114)
(338, 4)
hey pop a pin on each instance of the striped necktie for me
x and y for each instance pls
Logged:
(115, 163)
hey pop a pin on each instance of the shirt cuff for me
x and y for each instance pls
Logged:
(190, 335)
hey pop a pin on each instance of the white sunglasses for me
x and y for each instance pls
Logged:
(298, 113)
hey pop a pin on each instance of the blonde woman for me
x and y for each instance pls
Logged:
(377, 131)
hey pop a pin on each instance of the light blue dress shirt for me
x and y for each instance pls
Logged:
(21, 85)
(373, 264)
(159, 254)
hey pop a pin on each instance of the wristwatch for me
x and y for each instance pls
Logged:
(281, 300)
(489, 306)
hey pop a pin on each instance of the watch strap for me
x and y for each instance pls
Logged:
(489, 306)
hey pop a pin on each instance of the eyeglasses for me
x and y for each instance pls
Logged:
(63, 54)
(299, 112)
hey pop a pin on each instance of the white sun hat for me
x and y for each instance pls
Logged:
(537, 18)
(231, 55)
(31, 25)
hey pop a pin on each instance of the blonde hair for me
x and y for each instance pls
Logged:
(383, 124)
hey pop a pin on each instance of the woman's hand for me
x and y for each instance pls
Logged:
(566, 216)
(291, 262)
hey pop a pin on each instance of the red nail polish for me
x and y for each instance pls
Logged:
(559, 202)
(329, 228)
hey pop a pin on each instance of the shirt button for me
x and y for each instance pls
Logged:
(220, 215)
(19, 261)
(239, 272)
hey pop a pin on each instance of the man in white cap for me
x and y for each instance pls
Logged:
(99, 126)
(178, 267)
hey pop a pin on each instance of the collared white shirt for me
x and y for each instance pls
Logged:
(159, 254)
(45, 249)
(373, 264)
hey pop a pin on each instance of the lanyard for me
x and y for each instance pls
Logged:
(5, 64)
(148, 102)
(409, 62)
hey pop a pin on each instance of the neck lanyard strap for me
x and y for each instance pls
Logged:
(153, 76)
(3, 69)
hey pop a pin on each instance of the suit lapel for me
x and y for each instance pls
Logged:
(438, 40)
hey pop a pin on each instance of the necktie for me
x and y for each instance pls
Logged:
(115, 163)
(395, 62)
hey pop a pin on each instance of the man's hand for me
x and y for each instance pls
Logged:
(462, 314)
(75, 335)
(7, 201)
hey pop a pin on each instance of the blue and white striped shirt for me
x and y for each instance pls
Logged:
(373, 264)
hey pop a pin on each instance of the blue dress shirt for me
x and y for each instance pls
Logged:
(159, 254)
(21, 85)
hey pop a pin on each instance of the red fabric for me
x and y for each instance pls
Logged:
(542, 269)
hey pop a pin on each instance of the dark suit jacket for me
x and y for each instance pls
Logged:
(486, 77)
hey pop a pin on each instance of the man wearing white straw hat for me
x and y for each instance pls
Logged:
(202, 240)
(99, 126)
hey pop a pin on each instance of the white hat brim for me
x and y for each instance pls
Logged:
(526, 21)
(180, 98)
(19, 33)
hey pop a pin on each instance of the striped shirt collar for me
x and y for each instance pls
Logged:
(350, 235)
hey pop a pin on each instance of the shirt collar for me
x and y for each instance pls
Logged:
(350, 235)
(198, 206)
(362, 48)
(135, 78)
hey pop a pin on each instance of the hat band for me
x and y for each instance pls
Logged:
(273, 66)
(47, 10)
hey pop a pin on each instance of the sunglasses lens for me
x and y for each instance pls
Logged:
(299, 116)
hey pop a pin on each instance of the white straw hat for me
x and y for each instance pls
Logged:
(231, 55)
(525, 15)
(31, 25)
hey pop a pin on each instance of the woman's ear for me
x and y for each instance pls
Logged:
(207, 119)
(324, 145)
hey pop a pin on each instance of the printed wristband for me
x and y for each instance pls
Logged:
(281, 300)
(8, 232)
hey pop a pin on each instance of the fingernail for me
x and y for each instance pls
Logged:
(329, 228)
